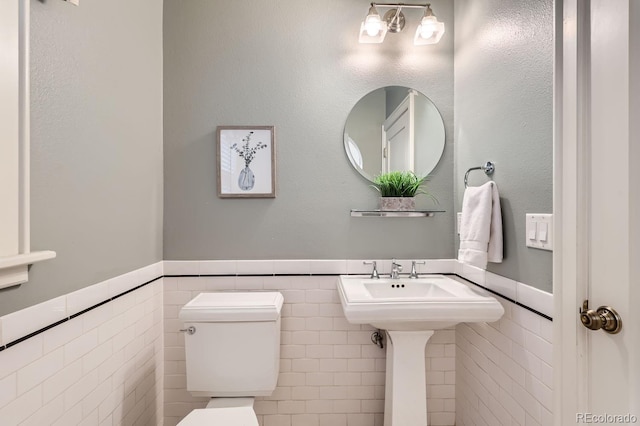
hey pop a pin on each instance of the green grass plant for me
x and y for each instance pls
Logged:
(400, 184)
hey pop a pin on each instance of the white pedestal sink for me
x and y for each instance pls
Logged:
(410, 310)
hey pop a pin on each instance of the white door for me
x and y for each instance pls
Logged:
(598, 201)
(398, 137)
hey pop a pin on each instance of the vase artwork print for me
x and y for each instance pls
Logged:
(247, 179)
(246, 161)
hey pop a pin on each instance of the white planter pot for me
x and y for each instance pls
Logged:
(397, 203)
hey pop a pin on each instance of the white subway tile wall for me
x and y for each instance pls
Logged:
(331, 374)
(101, 368)
(536, 299)
(33, 318)
(123, 362)
(504, 370)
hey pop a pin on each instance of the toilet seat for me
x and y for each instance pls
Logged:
(231, 416)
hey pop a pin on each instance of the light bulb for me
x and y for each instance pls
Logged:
(373, 25)
(428, 27)
(372, 29)
(429, 31)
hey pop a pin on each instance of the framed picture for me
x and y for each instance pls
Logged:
(246, 162)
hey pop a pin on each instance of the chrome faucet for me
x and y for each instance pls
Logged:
(396, 268)
(374, 272)
(414, 272)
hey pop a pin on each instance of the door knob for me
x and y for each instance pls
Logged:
(605, 318)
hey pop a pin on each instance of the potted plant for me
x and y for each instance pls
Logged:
(398, 190)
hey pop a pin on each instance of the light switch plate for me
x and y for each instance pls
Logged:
(539, 231)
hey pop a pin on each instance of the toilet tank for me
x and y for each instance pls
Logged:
(234, 349)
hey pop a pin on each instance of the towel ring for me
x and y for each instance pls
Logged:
(487, 168)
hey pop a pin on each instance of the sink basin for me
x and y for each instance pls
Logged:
(403, 290)
(430, 302)
(409, 310)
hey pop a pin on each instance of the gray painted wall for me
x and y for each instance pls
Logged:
(503, 113)
(296, 65)
(96, 144)
(97, 195)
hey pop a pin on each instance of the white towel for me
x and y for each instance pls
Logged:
(481, 226)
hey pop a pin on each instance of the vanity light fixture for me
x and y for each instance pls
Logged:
(374, 28)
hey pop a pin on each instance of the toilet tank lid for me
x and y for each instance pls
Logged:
(233, 307)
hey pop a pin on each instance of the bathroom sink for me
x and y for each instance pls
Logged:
(409, 310)
(430, 302)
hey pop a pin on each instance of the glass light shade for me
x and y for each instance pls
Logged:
(373, 29)
(377, 37)
(429, 31)
(373, 25)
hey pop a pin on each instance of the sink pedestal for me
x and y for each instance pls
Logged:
(406, 387)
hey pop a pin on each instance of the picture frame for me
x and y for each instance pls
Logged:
(246, 163)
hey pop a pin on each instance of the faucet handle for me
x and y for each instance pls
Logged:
(414, 272)
(396, 268)
(374, 272)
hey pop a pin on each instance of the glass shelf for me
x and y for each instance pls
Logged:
(394, 213)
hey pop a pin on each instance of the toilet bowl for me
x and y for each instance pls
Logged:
(232, 348)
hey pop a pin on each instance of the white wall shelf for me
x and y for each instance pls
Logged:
(394, 213)
(14, 269)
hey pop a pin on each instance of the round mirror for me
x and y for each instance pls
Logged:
(394, 128)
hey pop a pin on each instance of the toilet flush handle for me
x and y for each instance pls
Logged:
(189, 330)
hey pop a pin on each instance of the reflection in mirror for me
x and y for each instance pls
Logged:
(394, 128)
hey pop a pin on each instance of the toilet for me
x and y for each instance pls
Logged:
(232, 346)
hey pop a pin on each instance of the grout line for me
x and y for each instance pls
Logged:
(35, 333)
(90, 308)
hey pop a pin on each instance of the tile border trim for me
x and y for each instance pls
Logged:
(452, 267)
(77, 314)
(515, 302)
